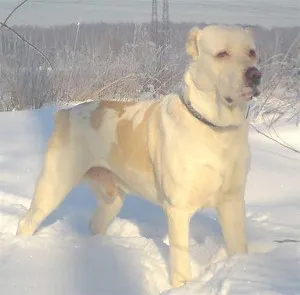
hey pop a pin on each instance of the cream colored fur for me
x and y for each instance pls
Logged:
(160, 151)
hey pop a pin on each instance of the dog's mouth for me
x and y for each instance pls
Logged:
(248, 92)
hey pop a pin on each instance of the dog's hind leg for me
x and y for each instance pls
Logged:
(63, 168)
(110, 199)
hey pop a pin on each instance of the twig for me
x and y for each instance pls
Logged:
(3, 24)
(275, 140)
(96, 94)
(12, 12)
(277, 135)
(74, 53)
(281, 76)
(287, 241)
(168, 80)
(27, 42)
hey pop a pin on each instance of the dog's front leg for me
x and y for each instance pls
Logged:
(232, 218)
(178, 225)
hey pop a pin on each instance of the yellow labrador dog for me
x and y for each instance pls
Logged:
(183, 152)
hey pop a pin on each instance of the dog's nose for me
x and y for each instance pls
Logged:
(253, 75)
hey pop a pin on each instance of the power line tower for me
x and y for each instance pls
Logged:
(165, 24)
(154, 24)
(161, 37)
(160, 30)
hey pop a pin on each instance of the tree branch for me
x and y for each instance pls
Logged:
(27, 42)
(275, 140)
(11, 13)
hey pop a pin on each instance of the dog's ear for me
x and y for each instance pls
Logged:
(192, 43)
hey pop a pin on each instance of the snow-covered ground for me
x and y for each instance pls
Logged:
(62, 258)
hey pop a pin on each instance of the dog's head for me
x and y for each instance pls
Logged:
(225, 61)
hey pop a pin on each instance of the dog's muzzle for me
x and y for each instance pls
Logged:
(253, 79)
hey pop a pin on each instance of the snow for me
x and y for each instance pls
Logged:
(62, 258)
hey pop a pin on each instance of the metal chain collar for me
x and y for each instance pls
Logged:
(197, 115)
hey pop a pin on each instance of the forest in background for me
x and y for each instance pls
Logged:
(121, 61)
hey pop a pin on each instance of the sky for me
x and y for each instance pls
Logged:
(266, 13)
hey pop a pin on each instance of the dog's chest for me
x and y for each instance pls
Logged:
(233, 166)
(230, 167)
(212, 169)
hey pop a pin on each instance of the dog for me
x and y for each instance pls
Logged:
(183, 152)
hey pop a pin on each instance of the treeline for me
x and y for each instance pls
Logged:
(104, 38)
(88, 59)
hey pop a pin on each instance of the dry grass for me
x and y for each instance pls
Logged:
(120, 62)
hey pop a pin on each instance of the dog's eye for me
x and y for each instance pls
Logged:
(222, 54)
(252, 53)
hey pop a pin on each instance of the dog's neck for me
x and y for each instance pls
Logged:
(209, 107)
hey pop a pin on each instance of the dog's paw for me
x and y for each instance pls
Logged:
(25, 228)
(178, 281)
